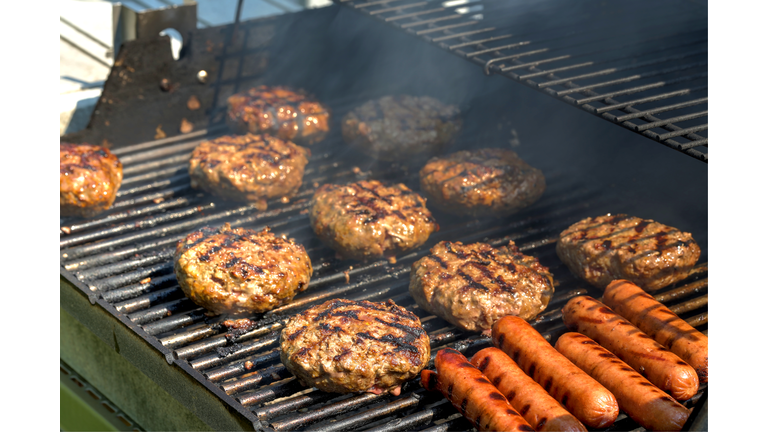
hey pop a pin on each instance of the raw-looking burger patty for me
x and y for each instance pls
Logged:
(401, 127)
(287, 113)
(369, 219)
(346, 346)
(649, 254)
(481, 182)
(89, 177)
(248, 167)
(472, 286)
(239, 270)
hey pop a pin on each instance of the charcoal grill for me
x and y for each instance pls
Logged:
(117, 270)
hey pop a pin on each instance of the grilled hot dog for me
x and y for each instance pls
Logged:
(579, 393)
(662, 367)
(472, 394)
(660, 323)
(642, 401)
(541, 411)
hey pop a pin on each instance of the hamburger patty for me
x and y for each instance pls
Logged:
(248, 167)
(368, 219)
(286, 113)
(89, 177)
(239, 270)
(472, 286)
(346, 346)
(401, 127)
(481, 182)
(649, 254)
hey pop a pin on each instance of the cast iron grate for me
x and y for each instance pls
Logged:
(642, 66)
(123, 262)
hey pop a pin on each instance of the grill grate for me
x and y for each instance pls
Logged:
(123, 262)
(626, 63)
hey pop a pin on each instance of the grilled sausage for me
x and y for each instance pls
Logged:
(642, 401)
(533, 402)
(579, 393)
(472, 394)
(662, 367)
(660, 323)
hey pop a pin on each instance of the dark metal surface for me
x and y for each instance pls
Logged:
(122, 260)
(605, 58)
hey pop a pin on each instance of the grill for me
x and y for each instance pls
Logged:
(122, 261)
(625, 63)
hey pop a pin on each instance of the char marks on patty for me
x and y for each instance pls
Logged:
(647, 253)
(346, 346)
(472, 286)
(89, 177)
(369, 219)
(481, 182)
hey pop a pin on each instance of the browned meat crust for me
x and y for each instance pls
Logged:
(649, 254)
(481, 182)
(281, 111)
(248, 167)
(368, 219)
(401, 127)
(89, 177)
(346, 346)
(239, 270)
(472, 286)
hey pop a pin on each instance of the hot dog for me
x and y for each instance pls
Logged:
(541, 411)
(660, 323)
(579, 393)
(638, 398)
(472, 394)
(662, 367)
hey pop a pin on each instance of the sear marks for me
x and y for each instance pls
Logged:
(482, 182)
(368, 219)
(401, 127)
(239, 270)
(248, 167)
(89, 177)
(286, 113)
(472, 286)
(647, 253)
(346, 346)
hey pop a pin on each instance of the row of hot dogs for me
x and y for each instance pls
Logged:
(628, 352)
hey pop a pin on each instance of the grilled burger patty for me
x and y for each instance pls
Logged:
(286, 113)
(472, 286)
(400, 127)
(248, 167)
(368, 219)
(649, 254)
(481, 182)
(89, 177)
(239, 270)
(346, 346)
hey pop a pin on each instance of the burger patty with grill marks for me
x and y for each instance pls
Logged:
(481, 182)
(369, 219)
(248, 167)
(472, 286)
(346, 346)
(239, 270)
(89, 177)
(649, 254)
(401, 127)
(281, 111)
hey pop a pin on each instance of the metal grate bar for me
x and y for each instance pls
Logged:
(662, 109)
(677, 119)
